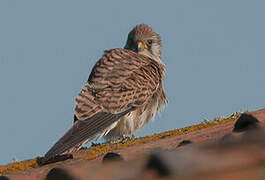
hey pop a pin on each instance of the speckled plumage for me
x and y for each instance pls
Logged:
(123, 93)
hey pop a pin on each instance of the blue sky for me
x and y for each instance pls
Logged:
(214, 52)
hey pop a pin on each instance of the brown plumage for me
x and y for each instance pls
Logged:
(123, 92)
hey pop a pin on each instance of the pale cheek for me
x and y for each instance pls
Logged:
(155, 50)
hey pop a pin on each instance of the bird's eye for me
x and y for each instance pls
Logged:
(149, 42)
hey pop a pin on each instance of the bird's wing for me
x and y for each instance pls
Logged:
(120, 81)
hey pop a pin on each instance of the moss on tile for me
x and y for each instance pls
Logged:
(101, 149)
(95, 151)
(19, 166)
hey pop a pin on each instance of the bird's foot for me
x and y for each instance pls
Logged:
(95, 144)
(124, 138)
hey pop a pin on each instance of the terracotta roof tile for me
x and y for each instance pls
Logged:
(223, 149)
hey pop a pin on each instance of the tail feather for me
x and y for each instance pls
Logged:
(82, 131)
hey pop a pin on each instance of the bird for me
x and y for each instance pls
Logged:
(124, 92)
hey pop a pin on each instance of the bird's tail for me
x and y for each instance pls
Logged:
(82, 131)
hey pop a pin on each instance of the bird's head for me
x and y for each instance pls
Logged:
(143, 40)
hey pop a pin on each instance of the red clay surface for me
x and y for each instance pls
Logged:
(216, 152)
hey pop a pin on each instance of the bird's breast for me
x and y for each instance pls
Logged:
(136, 119)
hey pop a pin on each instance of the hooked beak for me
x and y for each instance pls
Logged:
(140, 46)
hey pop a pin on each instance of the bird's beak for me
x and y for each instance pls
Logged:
(140, 46)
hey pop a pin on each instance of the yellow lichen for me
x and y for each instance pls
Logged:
(101, 149)
(95, 151)
(19, 166)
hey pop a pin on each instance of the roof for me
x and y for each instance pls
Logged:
(225, 148)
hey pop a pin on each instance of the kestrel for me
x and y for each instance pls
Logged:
(123, 92)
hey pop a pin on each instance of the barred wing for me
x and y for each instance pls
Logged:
(121, 81)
